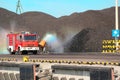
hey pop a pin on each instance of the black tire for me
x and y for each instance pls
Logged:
(24, 52)
(34, 52)
(12, 53)
(19, 52)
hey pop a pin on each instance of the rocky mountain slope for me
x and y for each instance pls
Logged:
(79, 31)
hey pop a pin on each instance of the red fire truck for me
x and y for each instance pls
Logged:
(22, 43)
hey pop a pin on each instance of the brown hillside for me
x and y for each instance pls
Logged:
(97, 24)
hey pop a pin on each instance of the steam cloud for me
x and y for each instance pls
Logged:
(3, 41)
(3, 37)
(54, 43)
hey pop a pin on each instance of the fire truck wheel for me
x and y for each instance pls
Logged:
(34, 52)
(20, 52)
(12, 53)
(24, 52)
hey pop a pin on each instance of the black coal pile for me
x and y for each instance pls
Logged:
(88, 40)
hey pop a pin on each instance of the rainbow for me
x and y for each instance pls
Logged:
(50, 38)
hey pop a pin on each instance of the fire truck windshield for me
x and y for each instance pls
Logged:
(30, 37)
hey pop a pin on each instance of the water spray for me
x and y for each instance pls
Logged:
(53, 42)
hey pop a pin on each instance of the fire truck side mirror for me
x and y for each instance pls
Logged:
(20, 37)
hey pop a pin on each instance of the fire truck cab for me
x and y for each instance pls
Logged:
(22, 43)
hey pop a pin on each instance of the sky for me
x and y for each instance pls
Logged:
(58, 8)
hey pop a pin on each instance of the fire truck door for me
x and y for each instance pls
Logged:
(13, 42)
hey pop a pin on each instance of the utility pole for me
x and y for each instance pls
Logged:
(116, 23)
(116, 15)
(19, 7)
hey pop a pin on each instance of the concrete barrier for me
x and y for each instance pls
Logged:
(13, 71)
(55, 78)
(17, 76)
(63, 78)
(82, 72)
(71, 78)
(12, 76)
(6, 76)
(1, 76)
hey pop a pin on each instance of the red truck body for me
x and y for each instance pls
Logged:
(22, 43)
